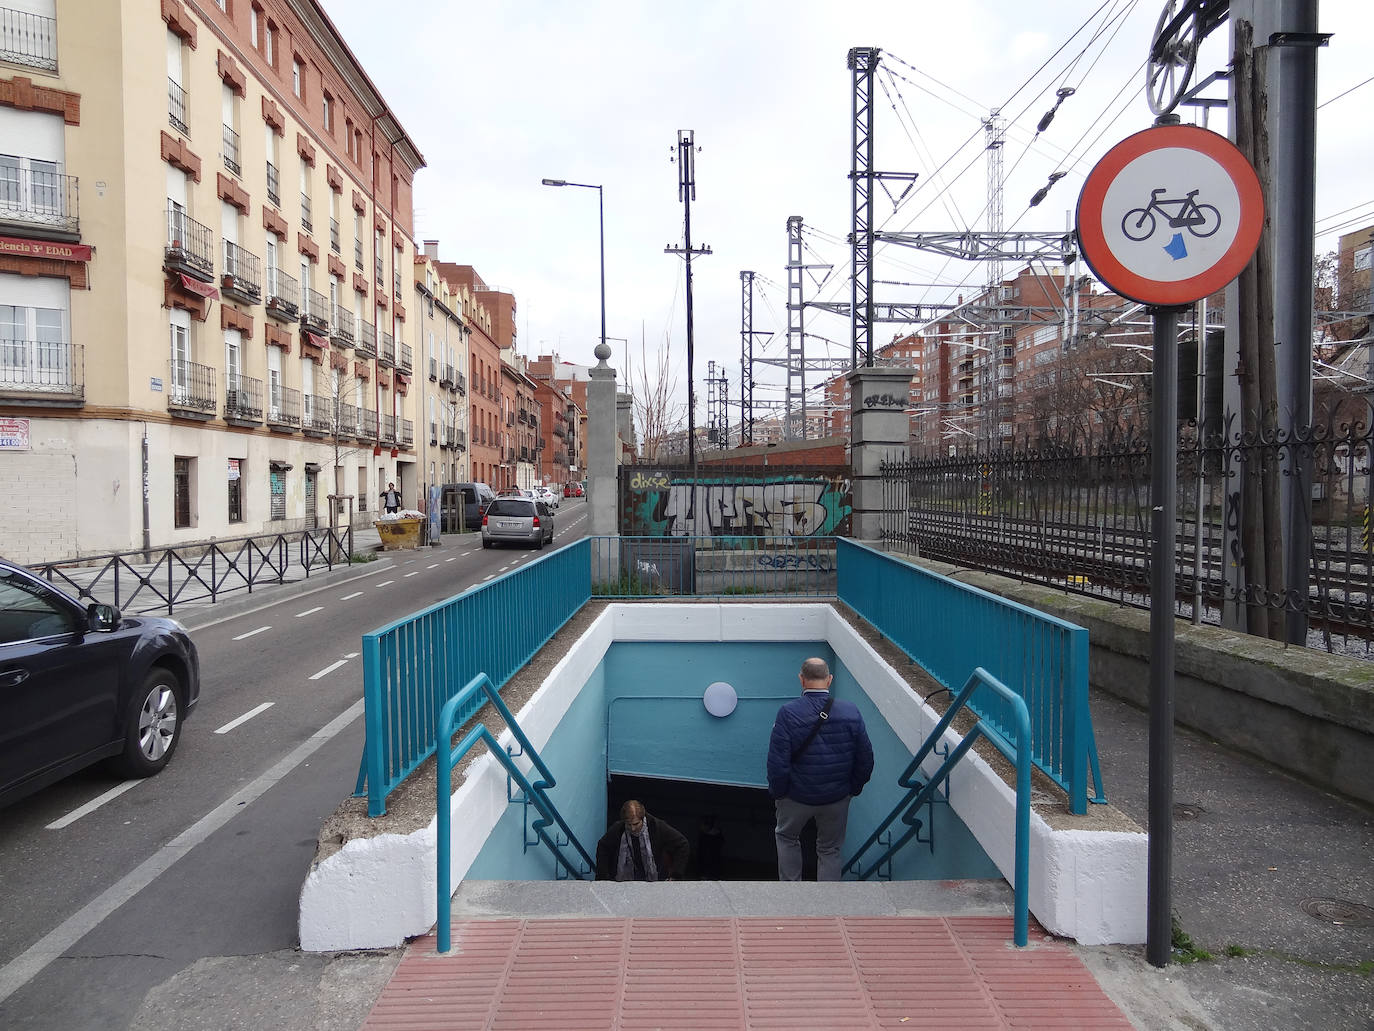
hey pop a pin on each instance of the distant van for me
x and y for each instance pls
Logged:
(470, 500)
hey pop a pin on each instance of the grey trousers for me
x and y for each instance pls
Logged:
(831, 820)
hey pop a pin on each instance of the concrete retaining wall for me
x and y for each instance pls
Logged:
(1305, 711)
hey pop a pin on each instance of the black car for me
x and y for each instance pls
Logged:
(80, 684)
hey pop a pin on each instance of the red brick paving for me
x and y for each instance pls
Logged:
(750, 973)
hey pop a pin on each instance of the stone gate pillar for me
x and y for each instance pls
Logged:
(601, 445)
(879, 430)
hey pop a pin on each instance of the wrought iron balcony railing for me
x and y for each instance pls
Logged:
(388, 428)
(191, 387)
(386, 352)
(28, 39)
(334, 235)
(367, 424)
(39, 197)
(367, 340)
(314, 310)
(446, 375)
(407, 432)
(273, 185)
(315, 419)
(307, 223)
(231, 153)
(284, 407)
(242, 278)
(176, 107)
(48, 368)
(406, 359)
(283, 295)
(358, 255)
(190, 246)
(460, 383)
(434, 370)
(242, 398)
(341, 326)
(348, 419)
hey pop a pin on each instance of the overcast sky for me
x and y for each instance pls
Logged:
(499, 95)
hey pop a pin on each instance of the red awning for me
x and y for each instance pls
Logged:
(315, 340)
(195, 286)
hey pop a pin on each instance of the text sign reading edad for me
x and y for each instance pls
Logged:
(1170, 215)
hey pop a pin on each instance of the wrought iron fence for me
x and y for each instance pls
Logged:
(160, 579)
(1076, 514)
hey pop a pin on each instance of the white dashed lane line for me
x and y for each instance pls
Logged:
(309, 612)
(384, 583)
(328, 669)
(435, 566)
(491, 577)
(455, 557)
(93, 805)
(415, 573)
(245, 717)
(465, 554)
(251, 633)
(350, 597)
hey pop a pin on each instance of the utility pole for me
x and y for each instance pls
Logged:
(746, 359)
(796, 333)
(687, 192)
(995, 126)
(717, 406)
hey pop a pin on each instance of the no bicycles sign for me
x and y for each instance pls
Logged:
(1170, 215)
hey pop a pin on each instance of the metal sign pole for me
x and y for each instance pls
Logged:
(1163, 503)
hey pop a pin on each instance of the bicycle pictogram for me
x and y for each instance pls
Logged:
(1202, 220)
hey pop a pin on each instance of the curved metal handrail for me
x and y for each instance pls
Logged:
(535, 793)
(922, 792)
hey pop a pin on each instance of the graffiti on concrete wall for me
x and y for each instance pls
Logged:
(658, 503)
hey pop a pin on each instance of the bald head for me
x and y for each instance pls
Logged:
(815, 674)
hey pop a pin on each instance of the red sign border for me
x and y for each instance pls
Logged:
(1092, 240)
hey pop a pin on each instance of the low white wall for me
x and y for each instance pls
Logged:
(376, 892)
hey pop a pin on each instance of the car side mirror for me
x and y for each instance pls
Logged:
(102, 618)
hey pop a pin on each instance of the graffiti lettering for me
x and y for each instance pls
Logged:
(884, 401)
(784, 508)
(820, 563)
(655, 481)
(646, 568)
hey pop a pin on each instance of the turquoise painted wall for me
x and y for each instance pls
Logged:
(641, 714)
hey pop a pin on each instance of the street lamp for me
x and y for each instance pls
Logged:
(601, 218)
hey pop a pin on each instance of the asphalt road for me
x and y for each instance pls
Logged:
(101, 905)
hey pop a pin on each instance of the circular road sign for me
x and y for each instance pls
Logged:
(1170, 215)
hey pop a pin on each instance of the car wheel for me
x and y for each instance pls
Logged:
(152, 726)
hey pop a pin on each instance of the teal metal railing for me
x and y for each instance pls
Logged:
(411, 667)
(923, 791)
(479, 690)
(946, 627)
(713, 567)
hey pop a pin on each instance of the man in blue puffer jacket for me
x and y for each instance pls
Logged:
(816, 774)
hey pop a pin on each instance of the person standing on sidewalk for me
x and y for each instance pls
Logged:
(391, 498)
(819, 757)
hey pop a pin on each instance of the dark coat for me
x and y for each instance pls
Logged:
(837, 762)
(670, 849)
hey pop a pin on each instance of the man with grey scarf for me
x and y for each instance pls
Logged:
(640, 847)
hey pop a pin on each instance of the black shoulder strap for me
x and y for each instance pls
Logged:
(820, 721)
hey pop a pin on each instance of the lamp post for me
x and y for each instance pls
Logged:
(601, 219)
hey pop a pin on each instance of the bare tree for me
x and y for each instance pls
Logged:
(657, 413)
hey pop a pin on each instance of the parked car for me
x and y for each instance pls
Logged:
(547, 496)
(517, 521)
(81, 684)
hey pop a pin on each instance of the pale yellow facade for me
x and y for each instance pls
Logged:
(262, 352)
(441, 438)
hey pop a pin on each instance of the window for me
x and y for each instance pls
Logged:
(297, 77)
(327, 111)
(179, 325)
(348, 136)
(269, 44)
(362, 488)
(274, 386)
(33, 351)
(176, 92)
(307, 214)
(236, 490)
(278, 488)
(31, 611)
(182, 473)
(255, 26)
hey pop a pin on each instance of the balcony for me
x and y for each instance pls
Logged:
(242, 279)
(407, 433)
(460, 439)
(388, 428)
(28, 39)
(334, 235)
(231, 151)
(190, 246)
(524, 454)
(559, 431)
(367, 340)
(43, 371)
(381, 281)
(341, 327)
(434, 434)
(315, 419)
(39, 200)
(358, 255)
(434, 370)
(191, 389)
(273, 185)
(510, 418)
(386, 353)
(446, 376)
(396, 283)
(284, 408)
(283, 296)
(242, 400)
(307, 225)
(406, 360)
(367, 424)
(176, 107)
(348, 419)
(559, 458)
(460, 384)
(314, 311)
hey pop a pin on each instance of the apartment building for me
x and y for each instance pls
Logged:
(521, 414)
(443, 354)
(568, 441)
(203, 275)
(904, 351)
